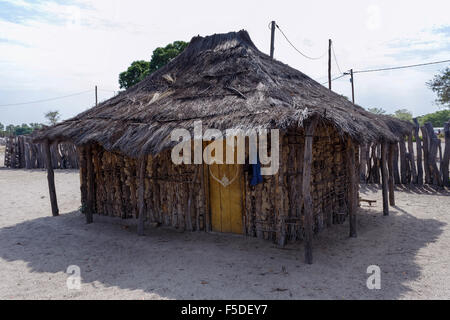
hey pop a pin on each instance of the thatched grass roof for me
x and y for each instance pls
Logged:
(226, 82)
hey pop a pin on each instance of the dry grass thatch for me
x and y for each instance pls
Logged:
(226, 82)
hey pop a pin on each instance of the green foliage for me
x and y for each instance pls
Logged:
(139, 70)
(134, 74)
(377, 110)
(52, 117)
(441, 86)
(23, 129)
(403, 114)
(161, 56)
(437, 119)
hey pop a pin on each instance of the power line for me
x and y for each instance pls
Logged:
(335, 59)
(400, 67)
(304, 55)
(45, 100)
(339, 77)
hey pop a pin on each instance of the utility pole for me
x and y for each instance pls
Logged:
(272, 39)
(329, 63)
(96, 96)
(353, 85)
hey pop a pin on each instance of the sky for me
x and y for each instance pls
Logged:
(57, 48)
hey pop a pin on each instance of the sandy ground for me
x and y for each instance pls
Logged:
(411, 247)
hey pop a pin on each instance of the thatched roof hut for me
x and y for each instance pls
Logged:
(227, 83)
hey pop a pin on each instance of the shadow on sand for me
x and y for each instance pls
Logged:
(205, 266)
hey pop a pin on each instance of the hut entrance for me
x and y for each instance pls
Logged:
(226, 190)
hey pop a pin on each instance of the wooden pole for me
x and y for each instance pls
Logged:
(96, 96)
(384, 177)
(272, 38)
(419, 153)
(329, 63)
(403, 162)
(362, 162)
(306, 190)
(352, 188)
(353, 85)
(141, 199)
(434, 141)
(446, 157)
(412, 159)
(391, 174)
(90, 186)
(426, 141)
(51, 179)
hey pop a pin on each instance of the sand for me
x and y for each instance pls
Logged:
(411, 247)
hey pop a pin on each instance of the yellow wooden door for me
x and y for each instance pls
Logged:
(226, 189)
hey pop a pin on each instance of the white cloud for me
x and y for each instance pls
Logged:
(71, 46)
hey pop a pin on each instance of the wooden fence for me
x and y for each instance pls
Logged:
(426, 163)
(21, 152)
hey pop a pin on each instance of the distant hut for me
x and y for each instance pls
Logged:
(224, 81)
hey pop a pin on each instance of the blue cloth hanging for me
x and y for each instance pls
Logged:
(256, 174)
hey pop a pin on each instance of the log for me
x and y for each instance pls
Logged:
(51, 180)
(434, 141)
(446, 156)
(426, 152)
(412, 163)
(90, 185)
(396, 169)
(141, 200)
(352, 187)
(306, 190)
(419, 153)
(384, 178)
(403, 161)
(391, 173)
(362, 163)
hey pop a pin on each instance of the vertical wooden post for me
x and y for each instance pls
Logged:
(51, 179)
(362, 162)
(434, 141)
(90, 185)
(353, 85)
(352, 188)
(272, 38)
(446, 157)
(384, 178)
(306, 190)
(403, 163)
(329, 63)
(391, 174)
(419, 153)
(426, 142)
(412, 159)
(141, 196)
(96, 96)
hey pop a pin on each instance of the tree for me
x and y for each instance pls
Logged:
(162, 56)
(377, 110)
(22, 130)
(53, 117)
(134, 74)
(403, 114)
(139, 70)
(437, 119)
(10, 129)
(441, 86)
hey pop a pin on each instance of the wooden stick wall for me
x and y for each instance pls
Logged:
(21, 152)
(178, 196)
(427, 163)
